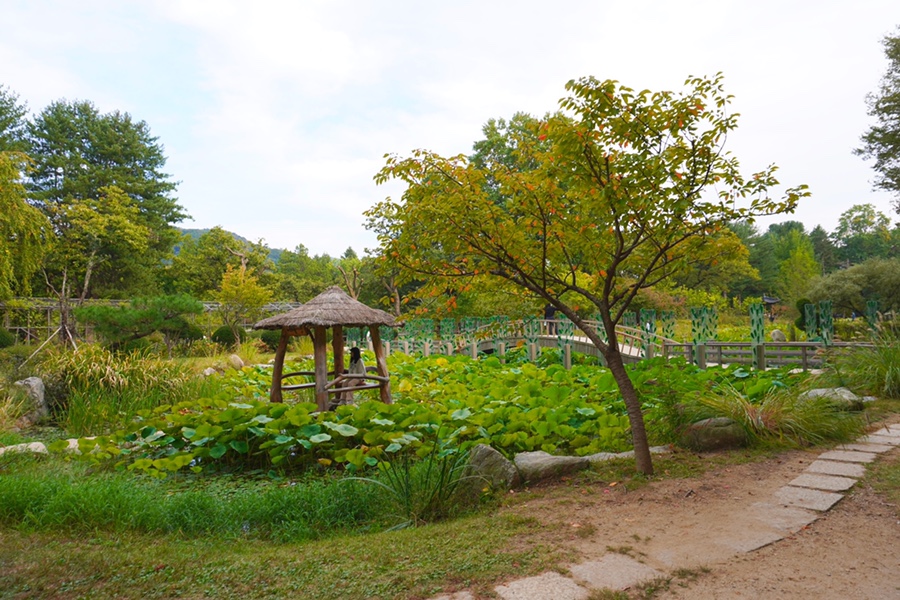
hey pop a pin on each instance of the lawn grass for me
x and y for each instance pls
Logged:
(469, 553)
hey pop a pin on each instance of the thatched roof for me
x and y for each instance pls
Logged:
(331, 307)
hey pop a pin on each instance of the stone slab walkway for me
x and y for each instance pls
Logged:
(791, 508)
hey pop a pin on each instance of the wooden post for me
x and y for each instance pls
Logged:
(567, 356)
(474, 349)
(701, 356)
(761, 357)
(337, 348)
(320, 355)
(803, 358)
(426, 348)
(501, 349)
(278, 367)
(449, 348)
(532, 352)
(380, 364)
(387, 347)
(405, 345)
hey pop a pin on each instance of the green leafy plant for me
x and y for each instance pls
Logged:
(6, 338)
(427, 489)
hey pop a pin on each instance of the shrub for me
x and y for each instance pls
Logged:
(224, 336)
(6, 338)
(271, 337)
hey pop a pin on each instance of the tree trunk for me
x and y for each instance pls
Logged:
(613, 356)
(642, 458)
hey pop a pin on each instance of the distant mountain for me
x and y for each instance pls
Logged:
(274, 253)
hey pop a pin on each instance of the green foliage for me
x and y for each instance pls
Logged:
(76, 152)
(241, 298)
(271, 338)
(49, 497)
(850, 289)
(431, 489)
(225, 336)
(119, 325)
(200, 263)
(882, 141)
(94, 390)
(6, 338)
(779, 416)
(875, 370)
(24, 231)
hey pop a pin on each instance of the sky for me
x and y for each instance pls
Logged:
(276, 115)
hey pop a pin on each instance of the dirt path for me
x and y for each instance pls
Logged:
(722, 535)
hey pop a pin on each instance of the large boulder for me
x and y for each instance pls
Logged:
(38, 408)
(718, 433)
(535, 466)
(841, 397)
(494, 468)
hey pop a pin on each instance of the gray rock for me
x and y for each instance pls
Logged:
(209, 371)
(535, 466)
(493, 467)
(777, 335)
(236, 362)
(37, 408)
(35, 447)
(841, 397)
(714, 434)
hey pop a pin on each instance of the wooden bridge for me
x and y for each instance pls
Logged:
(634, 344)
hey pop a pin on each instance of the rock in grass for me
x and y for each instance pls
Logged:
(535, 466)
(777, 335)
(841, 397)
(493, 467)
(236, 362)
(719, 433)
(38, 408)
(35, 447)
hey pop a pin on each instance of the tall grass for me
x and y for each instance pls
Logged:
(874, 370)
(95, 391)
(429, 489)
(48, 496)
(13, 405)
(780, 417)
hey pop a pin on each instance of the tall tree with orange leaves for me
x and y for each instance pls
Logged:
(587, 206)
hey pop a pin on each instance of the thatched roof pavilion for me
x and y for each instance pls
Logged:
(333, 309)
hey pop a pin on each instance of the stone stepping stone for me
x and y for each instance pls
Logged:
(848, 456)
(889, 431)
(614, 572)
(832, 467)
(877, 438)
(875, 448)
(548, 585)
(784, 519)
(807, 498)
(829, 483)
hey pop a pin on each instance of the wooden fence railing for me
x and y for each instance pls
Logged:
(805, 355)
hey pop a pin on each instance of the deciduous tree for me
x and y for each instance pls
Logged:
(881, 142)
(24, 232)
(612, 196)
